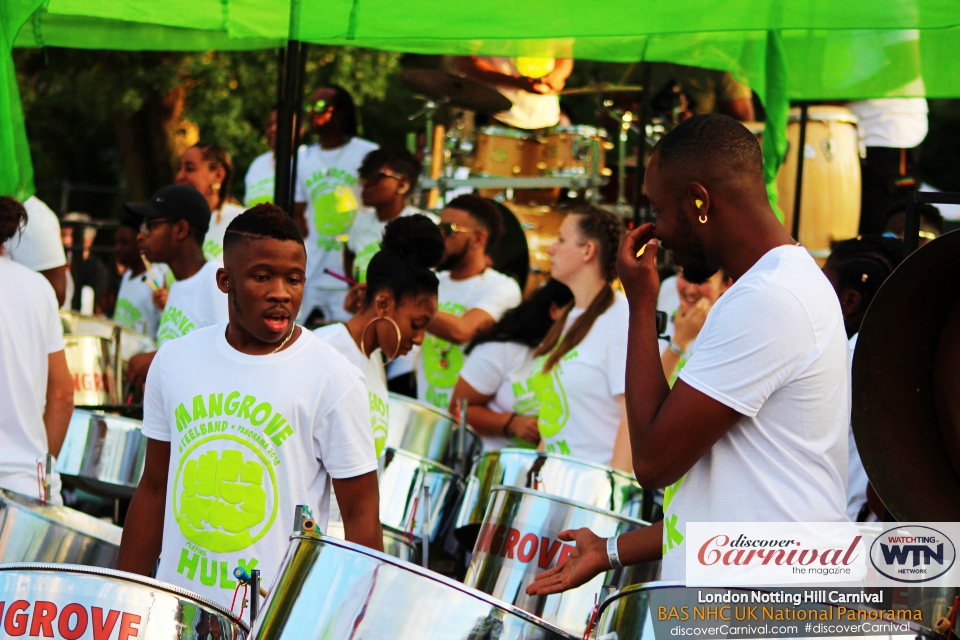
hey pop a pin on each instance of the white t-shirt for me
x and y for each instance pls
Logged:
(327, 181)
(40, 246)
(30, 330)
(193, 303)
(213, 241)
(898, 123)
(250, 438)
(857, 479)
(366, 234)
(440, 361)
(135, 309)
(774, 349)
(580, 405)
(260, 181)
(338, 337)
(501, 369)
(530, 110)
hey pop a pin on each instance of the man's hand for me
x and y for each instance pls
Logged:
(687, 325)
(160, 298)
(638, 274)
(138, 367)
(588, 559)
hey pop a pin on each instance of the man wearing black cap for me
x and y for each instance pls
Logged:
(175, 221)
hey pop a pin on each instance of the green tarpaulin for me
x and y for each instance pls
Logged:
(784, 49)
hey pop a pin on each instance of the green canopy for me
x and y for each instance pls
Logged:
(783, 49)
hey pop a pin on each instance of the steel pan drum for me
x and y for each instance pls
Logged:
(31, 532)
(82, 602)
(336, 590)
(395, 543)
(92, 363)
(426, 431)
(403, 477)
(518, 541)
(131, 342)
(593, 484)
(103, 454)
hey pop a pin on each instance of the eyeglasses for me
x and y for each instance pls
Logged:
(450, 228)
(317, 107)
(379, 175)
(146, 227)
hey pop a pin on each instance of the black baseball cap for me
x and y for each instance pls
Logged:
(177, 202)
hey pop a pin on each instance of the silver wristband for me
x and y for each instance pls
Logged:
(676, 349)
(613, 554)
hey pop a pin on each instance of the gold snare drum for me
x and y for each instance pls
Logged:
(501, 151)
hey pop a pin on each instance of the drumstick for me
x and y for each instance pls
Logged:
(146, 263)
(151, 284)
(341, 277)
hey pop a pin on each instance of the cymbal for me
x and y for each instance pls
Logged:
(600, 87)
(456, 90)
(903, 423)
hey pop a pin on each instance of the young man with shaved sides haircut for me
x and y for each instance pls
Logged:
(247, 420)
(754, 430)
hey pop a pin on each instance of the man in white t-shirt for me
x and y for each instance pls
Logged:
(175, 223)
(472, 296)
(39, 246)
(328, 198)
(243, 426)
(755, 428)
(261, 179)
(136, 308)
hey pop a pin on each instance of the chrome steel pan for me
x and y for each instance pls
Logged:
(403, 503)
(131, 342)
(335, 590)
(593, 484)
(518, 541)
(102, 454)
(427, 432)
(94, 368)
(69, 601)
(395, 543)
(31, 532)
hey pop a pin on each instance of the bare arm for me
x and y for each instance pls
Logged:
(460, 329)
(740, 109)
(56, 415)
(348, 259)
(669, 430)
(143, 528)
(138, 367)
(359, 500)
(300, 217)
(622, 457)
(478, 69)
(557, 79)
(488, 422)
(58, 280)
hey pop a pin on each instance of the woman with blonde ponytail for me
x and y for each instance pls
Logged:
(580, 366)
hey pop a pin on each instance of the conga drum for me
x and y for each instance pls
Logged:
(830, 200)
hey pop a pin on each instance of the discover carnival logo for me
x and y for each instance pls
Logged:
(912, 553)
(774, 553)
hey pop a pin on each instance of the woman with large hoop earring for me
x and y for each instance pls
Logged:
(399, 302)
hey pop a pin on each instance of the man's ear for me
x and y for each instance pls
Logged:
(224, 283)
(480, 238)
(181, 229)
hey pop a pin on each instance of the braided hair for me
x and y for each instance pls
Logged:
(13, 218)
(604, 229)
(863, 264)
(411, 247)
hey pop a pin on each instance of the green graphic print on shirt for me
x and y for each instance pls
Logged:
(379, 420)
(525, 403)
(260, 192)
(671, 537)
(127, 315)
(173, 324)
(334, 205)
(362, 261)
(225, 495)
(552, 397)
(442, 362)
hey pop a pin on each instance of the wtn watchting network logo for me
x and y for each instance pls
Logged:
(912, 553)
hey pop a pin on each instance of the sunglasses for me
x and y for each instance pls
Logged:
(317, 107)
(380, 175)
(450, 228)
(146, 227)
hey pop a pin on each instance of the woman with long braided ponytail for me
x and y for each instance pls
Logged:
(579, 371)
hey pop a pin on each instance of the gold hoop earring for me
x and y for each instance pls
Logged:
(216, 186)
(702, 219)
(363, 337)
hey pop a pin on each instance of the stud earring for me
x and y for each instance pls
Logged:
(216, 186)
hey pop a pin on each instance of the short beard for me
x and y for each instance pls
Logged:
(453, 260)
(696, 268)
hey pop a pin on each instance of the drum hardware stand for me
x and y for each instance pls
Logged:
(801, 156)
(302, 515)
(254, 594)
(117, 390)
(626, 120)
(428, 110)
(425, 525)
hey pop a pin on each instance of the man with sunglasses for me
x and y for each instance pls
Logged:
(328, 197)
(175, 221)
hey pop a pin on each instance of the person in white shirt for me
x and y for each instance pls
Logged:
(207, 167)
(578, 369)
(36, 388)
(400, 300)
(857, 268)
(136, 308)
(39, 246)
(472, 296)
(755, 429)
(531, 84)
(388, 177)
(501, 406)
(243, 426)
(327, 199)
(261, 179)
(175, 223)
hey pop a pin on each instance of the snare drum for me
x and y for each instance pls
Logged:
(501, 151)
(572, 150)
(92, 363)
(416, 494)
(80, 602)
(427, 432)
(102, 454)
(518, 540)
(334, 590)
(593, 484)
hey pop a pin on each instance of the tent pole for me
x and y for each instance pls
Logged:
(283, 192)
(801, 156)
